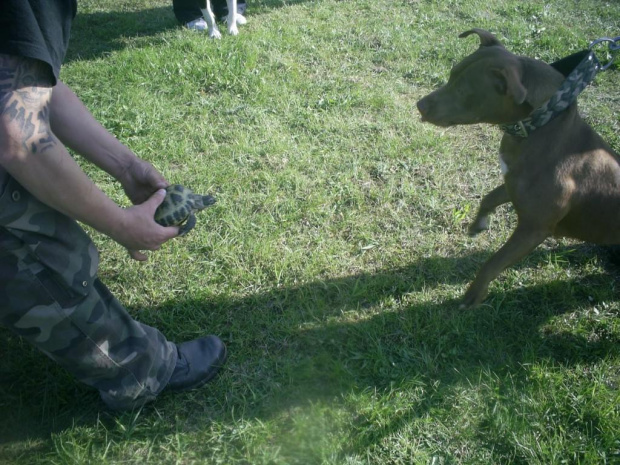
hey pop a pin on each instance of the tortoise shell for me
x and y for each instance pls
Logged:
(179, 208)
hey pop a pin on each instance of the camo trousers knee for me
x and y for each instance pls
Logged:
(51, 296)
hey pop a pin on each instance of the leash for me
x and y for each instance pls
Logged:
(579, 70)
(613, 45)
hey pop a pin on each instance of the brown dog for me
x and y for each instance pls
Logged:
(562, 178)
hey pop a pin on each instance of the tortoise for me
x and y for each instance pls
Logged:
(179, 208)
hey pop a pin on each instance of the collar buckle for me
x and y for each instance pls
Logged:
(515, 129)
(520, 130)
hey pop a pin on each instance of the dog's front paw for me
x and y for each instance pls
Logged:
(241, 20)
(215, 34)
(480, 224)
(232, 30)
(231, 22)
(473, 297)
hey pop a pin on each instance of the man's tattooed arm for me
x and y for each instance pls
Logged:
(34, 156)
(25, 94)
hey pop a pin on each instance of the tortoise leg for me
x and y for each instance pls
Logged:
(188, 226)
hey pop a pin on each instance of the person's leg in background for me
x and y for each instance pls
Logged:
(187, 12)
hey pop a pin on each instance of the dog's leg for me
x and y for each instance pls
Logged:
(231, 19)
(523, 240)
(207, 12)
(489, 203)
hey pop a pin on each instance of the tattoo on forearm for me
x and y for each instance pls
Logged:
(25, 94)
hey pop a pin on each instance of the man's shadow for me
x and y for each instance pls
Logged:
(318, 341)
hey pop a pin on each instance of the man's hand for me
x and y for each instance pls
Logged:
(140, 179)
(139, 231)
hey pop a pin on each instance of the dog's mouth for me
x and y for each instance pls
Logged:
(437, 122)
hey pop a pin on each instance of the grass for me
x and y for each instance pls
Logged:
(334, 261)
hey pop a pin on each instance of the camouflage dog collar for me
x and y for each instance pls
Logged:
(577, 78)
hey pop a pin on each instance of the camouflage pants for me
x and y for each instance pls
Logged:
(51, 296)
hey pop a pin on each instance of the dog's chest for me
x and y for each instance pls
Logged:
(510, 164)
(510, 155)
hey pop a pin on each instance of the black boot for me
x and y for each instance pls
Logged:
(198, 363)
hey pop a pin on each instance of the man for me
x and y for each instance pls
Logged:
(49, 290)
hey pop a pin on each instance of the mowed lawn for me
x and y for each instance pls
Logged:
(333, 263)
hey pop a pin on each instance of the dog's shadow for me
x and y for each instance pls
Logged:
(293, 346)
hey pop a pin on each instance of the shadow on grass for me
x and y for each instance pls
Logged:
(321, 341)
(96, 34)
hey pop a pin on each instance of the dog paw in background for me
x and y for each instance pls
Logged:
(232, 20)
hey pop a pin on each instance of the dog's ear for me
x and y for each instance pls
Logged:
(509, 83)
(486, 38)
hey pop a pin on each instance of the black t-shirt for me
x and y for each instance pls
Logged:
(37, 29)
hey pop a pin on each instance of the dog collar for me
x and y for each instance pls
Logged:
(579, 69)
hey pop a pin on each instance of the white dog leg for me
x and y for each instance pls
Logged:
(214, 32)
(232, 17)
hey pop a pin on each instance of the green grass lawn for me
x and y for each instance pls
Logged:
(334, 260)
